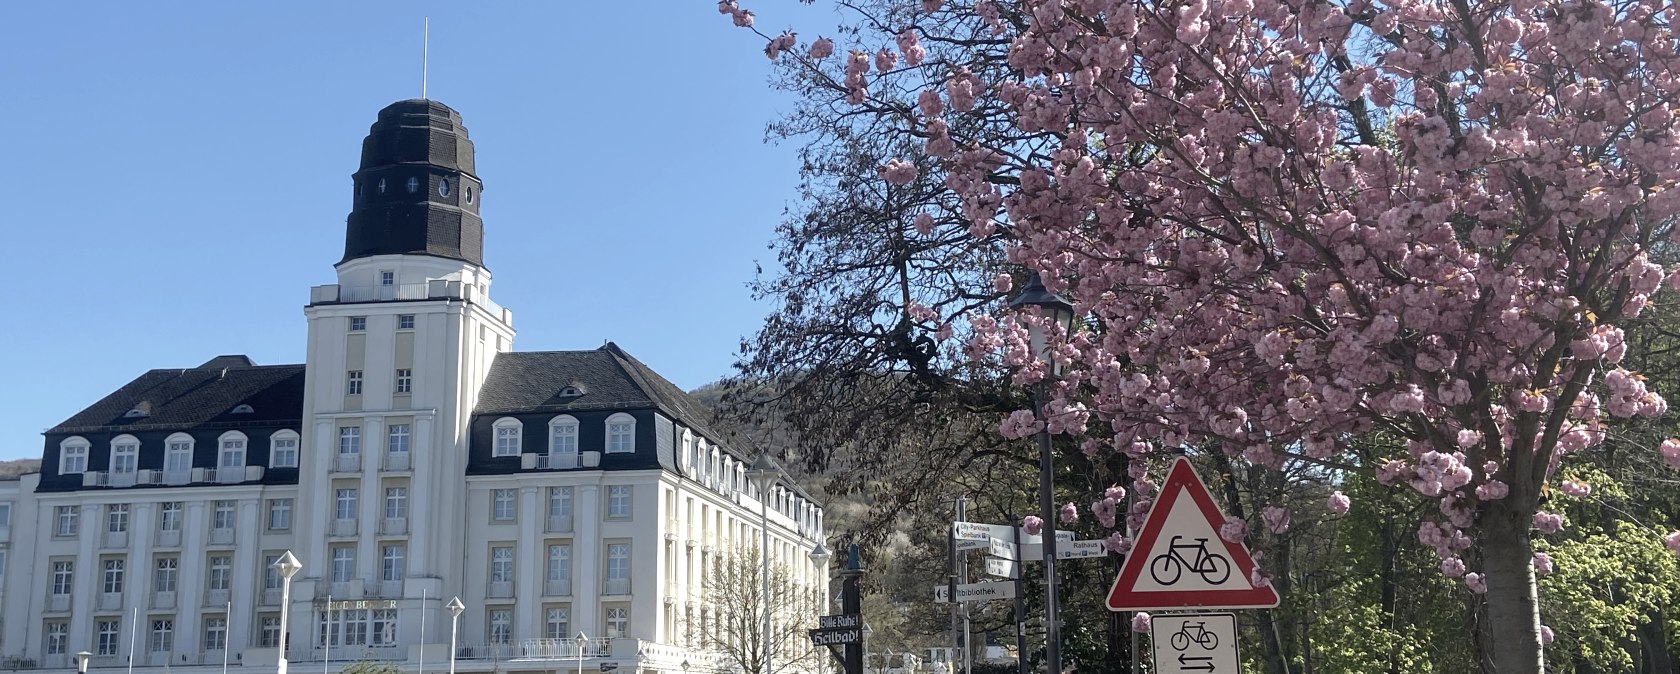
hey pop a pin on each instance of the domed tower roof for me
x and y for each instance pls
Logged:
(417, 192)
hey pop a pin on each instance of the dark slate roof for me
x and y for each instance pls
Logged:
(200, 396)
(523, 382)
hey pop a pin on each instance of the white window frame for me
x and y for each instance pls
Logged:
(358, 324)
(617, 620)
(166, 574)
(215, 632)
(109, 637)
(63, 577)
(346, 503)
(393, 562)
(178, 453)
(393, 433)
(163, 635)
(116, 518)
(224, 514)
(562, 439)
(283, 449)
(73, 455)
(507, 437)
(218, 574)
(499, 626)
(559, 565)
(67, 521)
(560, 499)
(621, 442)
(497, 503)
(350, 441)
(112, 570)
(125, 455)
(396, 501)
(557, 621)
(405, 381)
(168, 508)
(279, 514)
(231, 444)
(353, 383)
(343, 565)
(618, 561)
(620, 501)
(405, 318)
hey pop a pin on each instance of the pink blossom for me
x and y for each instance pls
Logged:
(885, 60)
(1141, 623)
(1233, 530)
(1069, 513)
(931, 6)
(1546, 636)
(1033, 524)
(1476, 582)
(1338, 503)
(924, 224)
(1276, 519)
(822, 48)
(1575, 488)
(1117, 543)
(1115, 493)
(898, 172)
(1548, 523)
(910, 47)
(1672, 540)
(1493, 490)
(1671, 452)
(779, 44)
(1452, 567)
(1001, 283)
(1019, 424)
(1105, 509)
(1543, 565)
(1259, 577)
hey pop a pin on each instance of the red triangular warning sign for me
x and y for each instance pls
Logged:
(1179, 560)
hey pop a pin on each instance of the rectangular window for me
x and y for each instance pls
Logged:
(392, 563)
(396, 502)
(284, 453)
(563, 439)
(124, 457)
(222, 517)
(559, 501)
(507, 441)
(501, 626)
(64, 576)
(618, 561)
(68, 519)
(343, 564)
(618, 622)
(58, 638)
(345, 504)
(166, 574)
(112, 580)
(270, 635)
(353, 386)
(233, 453)
(221, 572)
(72, 459)
(502, 505)
(215, 633)
(405, 380)
(169, 516)
(163, 635)
(405, 322)
(178, 457)
(559, 562)
(109, 631)
(116, 518)
(621, 437)
(501, 565)
(358, 323)
(557, 622)
(350, 440)
(618, 501)
(271, 575)
(279, 514)
(387, 278)
(397, 439)
(5, 515)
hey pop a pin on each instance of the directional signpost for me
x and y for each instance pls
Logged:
(837, 630)
(1002, 568)
(975, 592)
(1195, 643)
(1180, 561)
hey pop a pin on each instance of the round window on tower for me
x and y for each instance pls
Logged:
(413, 184)
(381, 185)
(469, 194)
(443, 187)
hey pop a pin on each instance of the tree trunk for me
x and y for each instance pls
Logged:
(1513, 609)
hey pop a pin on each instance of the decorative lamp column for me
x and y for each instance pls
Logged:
(287, 566)
(82, 661)
(1060, 312)
(764, 474)
(455, 608)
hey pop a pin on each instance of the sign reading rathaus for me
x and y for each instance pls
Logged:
(413, 458)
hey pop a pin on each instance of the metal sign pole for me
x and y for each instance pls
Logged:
(1020, 604)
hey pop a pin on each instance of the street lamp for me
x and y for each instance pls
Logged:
(581, 640)
(1059, 311)
(764, 473)
(685, 665)
(82, 661)
(455, 608)
(287, 566)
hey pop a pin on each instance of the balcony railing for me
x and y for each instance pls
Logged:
(58, 602)
(557, 588)
(616, 586)
(110, 601)
(343, 528)
(176, 478)
(560, 648)
(221, 536)
(397, 461)
(347, 463)
(393, 526)
(115, 540)
(557, 461)
(164, 600)
(169, 538)
(382, 293)
(217, 597)
(559, 524)
(499, 590)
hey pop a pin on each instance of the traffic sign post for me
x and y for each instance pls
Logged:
(1195, 643)
(1180, 561)
(985, 591)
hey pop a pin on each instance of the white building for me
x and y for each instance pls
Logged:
(413, 458)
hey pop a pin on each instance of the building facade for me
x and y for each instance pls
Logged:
(413, 458)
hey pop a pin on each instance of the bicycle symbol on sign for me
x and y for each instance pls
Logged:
(1167, 567)
(1194, 633)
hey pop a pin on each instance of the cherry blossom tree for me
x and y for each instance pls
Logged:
(1289, 222)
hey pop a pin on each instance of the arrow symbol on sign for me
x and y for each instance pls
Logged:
(1204, 662)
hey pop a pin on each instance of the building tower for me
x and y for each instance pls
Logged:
(398, 350)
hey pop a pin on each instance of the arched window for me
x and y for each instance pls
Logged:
(508, 431)
(621, 434)
(283, 449)
(232, 454)
(413, 184)
(73, 455)
(178, 453)
(125, 454)
(563, 442)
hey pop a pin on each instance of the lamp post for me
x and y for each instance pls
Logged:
(1059, 311)
(82, 661)
(287, 566)
(685, 665)
(582, 639)
(819, 557)
(455, 608)
(764, 473)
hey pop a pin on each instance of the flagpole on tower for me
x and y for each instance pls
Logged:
(425, 54)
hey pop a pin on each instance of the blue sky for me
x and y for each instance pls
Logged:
(178, 177)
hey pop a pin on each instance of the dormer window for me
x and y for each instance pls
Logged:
(73, 455)
(508, 432)
(621, 434)
(242, 409)
(571, 392)
(139, 411)
(125, 454)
